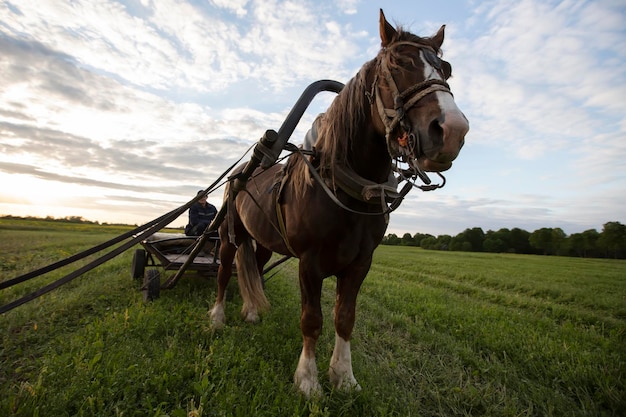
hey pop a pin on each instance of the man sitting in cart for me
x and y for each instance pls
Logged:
(201, 215)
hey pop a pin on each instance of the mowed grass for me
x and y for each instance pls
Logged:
(437, 334)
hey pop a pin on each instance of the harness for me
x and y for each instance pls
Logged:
(277, 192)
(403, 102)
(384, 194)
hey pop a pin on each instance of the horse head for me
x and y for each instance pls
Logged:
(412, 105)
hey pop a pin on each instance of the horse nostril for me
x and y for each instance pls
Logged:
(454, 128)
(435, 134)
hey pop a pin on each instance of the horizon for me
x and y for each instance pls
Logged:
(80, 219)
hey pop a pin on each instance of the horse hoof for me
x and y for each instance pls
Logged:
(217, 325)
(348, 387)
(218, 318)
(251, 317)
(310, 389)
(345, 385)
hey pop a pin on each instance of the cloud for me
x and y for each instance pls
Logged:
(236, 6)
(149, 100)
(439, 214)
(542, 70)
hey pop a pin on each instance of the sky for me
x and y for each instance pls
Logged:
(120, 111)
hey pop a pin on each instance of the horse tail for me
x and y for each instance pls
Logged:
(250, 282)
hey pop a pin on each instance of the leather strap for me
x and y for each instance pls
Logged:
(278, 189)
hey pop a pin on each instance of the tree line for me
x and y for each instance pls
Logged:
(609, 243)
(66, 219)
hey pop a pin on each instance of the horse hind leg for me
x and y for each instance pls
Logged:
(224, 272)
(250, 282)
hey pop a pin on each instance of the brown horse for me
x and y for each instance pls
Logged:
(397, 109)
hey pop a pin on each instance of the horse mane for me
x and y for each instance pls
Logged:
(339, 125)
(335, 129)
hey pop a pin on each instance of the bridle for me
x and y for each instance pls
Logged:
(403, 102)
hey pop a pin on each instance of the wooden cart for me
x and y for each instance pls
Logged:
(169, 251)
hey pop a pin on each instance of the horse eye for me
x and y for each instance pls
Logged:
(447, 69)
(432, 59)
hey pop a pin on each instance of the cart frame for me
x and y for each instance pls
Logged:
(170, 251)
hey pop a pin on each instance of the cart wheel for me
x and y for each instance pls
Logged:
(151, 285)
(139, 264)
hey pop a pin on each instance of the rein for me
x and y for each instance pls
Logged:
(136, 235)
(348, 180)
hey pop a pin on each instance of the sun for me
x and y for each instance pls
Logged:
(31, 196)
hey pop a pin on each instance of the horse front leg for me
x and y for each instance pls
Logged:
(340, 370)
(306, 377)
(224, 272)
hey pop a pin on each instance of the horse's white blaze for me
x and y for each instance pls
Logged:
(305, 377)
(445, 99)
(447, 104)
(218, 318)
(430, 73)
(340, 371)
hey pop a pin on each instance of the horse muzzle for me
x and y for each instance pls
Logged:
(430, 165)
(442, 142)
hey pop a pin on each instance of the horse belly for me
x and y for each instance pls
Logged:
(333, 236)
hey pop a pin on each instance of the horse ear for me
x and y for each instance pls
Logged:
(438, 38)
(387, 32)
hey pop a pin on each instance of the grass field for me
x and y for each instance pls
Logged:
(437, 334)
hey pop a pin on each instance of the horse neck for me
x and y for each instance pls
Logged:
(350, 137)
(367, 154)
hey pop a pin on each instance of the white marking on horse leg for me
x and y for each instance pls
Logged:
(250, 314)
(218, 318)
(305, 377)
(340, 370)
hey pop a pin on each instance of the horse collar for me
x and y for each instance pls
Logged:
(363, 189)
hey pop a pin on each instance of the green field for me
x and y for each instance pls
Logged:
(437, 334)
